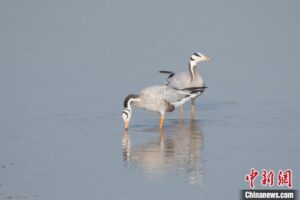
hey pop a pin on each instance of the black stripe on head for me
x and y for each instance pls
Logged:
(131, 96)
(125, 113)
(197, 54)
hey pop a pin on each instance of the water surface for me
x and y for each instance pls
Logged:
(66, 67)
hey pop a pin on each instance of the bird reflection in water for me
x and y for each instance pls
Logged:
(175, 149)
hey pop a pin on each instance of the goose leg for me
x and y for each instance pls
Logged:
(181, 109)
(181, 113)
(162, 139)
(193, 105)
(161, 121)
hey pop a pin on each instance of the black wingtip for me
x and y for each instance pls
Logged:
(193, 90)
(166, 72)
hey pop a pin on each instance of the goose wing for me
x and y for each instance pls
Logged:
(178, 97)
(179, 80)
(159, 97)
(182, 80)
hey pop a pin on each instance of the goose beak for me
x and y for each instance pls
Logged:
(126, 124)
(206, 58)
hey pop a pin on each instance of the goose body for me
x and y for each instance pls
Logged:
(188, 79)
(182, 80)
(159, 98)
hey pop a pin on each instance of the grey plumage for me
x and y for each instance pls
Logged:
(159, 98)
(188, 79)
(182, 80)
(180, 88)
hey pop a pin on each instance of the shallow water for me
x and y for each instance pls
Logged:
(174, 150)
(64, 76)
